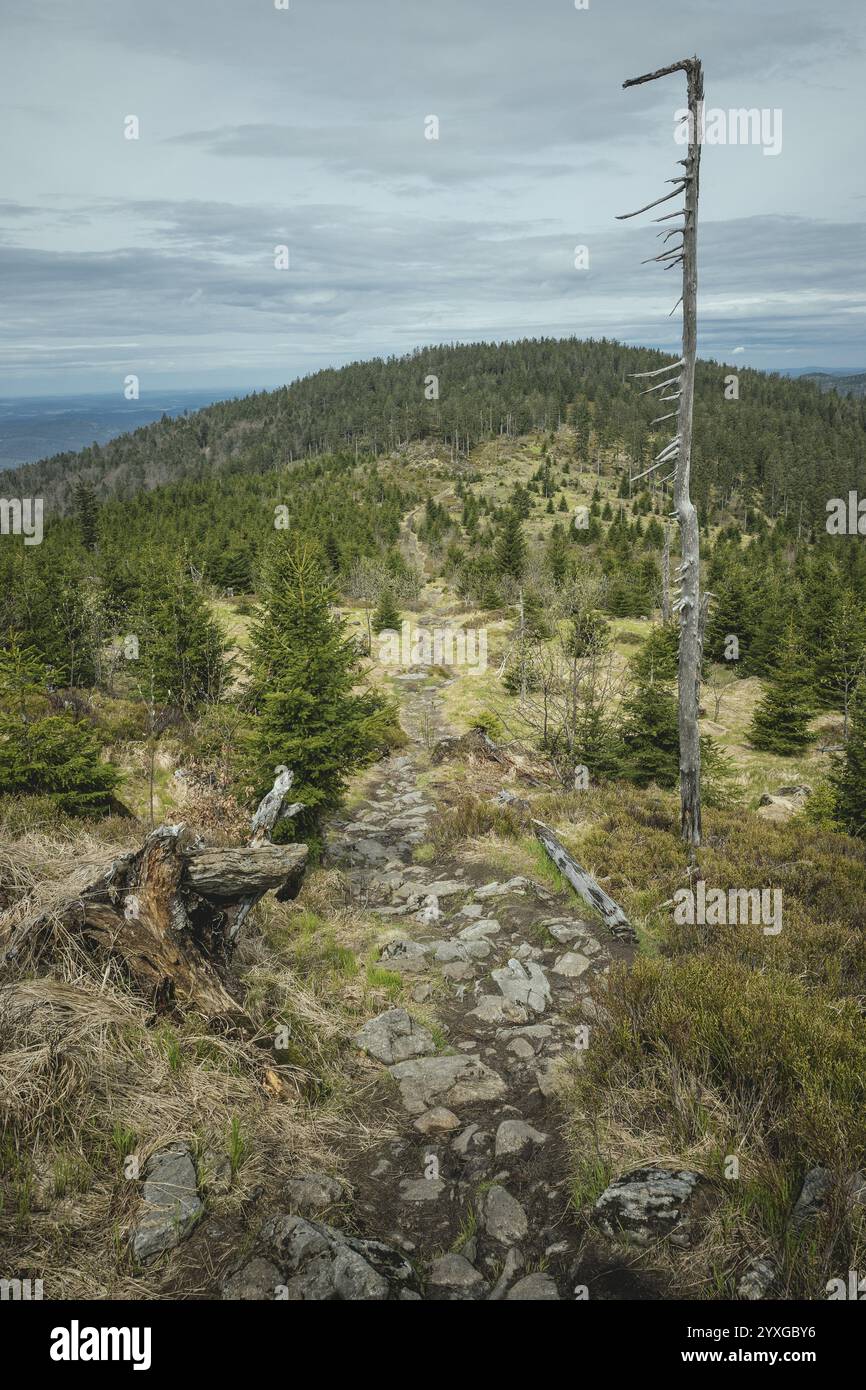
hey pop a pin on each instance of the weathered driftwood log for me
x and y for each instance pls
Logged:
(585, 885)
(167, 918)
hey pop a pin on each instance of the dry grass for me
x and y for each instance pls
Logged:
(90, 1077)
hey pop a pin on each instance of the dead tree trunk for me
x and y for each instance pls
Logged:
(585, 885)
(679, 450)
(666, 577)
(166, 917)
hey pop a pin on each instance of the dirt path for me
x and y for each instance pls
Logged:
(475, 1191)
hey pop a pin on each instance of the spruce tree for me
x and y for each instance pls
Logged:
(650, 738)
(387, 615)
(182, 652)
(731, 611)
(841, 655)
(650, 732)
(309, 713)
(848, 774)
(86, 513)
(43, 753)
(780, 723)
(556, 557)
(510, 552)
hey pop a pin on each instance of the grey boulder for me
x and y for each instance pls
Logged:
(649, 1204)
(318, 1263)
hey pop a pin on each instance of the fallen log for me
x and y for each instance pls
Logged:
(585, 885)
(167, 916)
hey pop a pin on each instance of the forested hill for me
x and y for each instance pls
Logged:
(851, 385)
(783, 443)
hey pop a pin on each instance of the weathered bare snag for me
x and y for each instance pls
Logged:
(678, 451)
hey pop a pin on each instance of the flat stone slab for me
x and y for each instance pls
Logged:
(446, 888)
(437, 1121)
(310, 1194)
(499, 890)
(534, 1288)
(170, 1204)
(493, 1009)
(370, 850)
(487, 926)
(462, 950)
(451, 1276)
(524, 984)
(503, 1216)
(516, 1137)
(394, 1036)
(572, 965)
(421, 1189)
(445, 1081)
(410, 956)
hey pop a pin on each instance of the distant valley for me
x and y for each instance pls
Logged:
(38, 427)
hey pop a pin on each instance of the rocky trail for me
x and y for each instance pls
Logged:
(455, 1182)
(475, 1190)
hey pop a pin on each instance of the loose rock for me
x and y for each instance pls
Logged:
(170, 1204)
(394, 1036)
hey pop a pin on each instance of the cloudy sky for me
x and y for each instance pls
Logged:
(306, 127)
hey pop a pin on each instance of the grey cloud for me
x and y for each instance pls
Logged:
(307, 128)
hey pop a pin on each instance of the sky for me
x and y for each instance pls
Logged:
(307, 127)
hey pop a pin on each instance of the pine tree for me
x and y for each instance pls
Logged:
(848, 774)
(310, 716)
(387, 615)
(781, 720)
